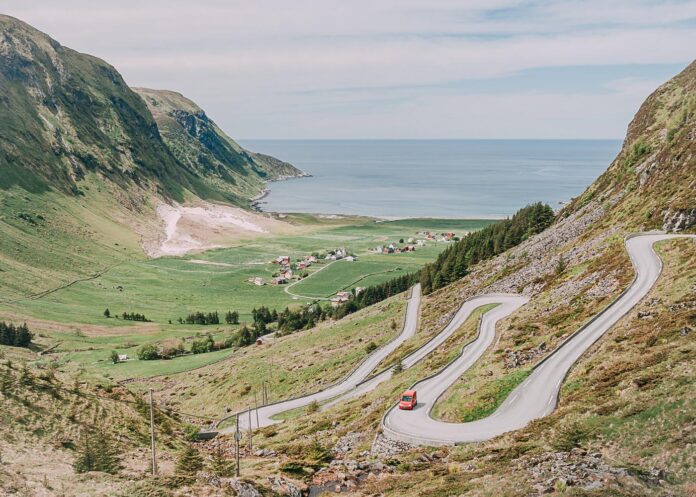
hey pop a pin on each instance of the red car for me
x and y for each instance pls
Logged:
(408, 400)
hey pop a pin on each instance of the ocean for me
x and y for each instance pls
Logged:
(432, 178)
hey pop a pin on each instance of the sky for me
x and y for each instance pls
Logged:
(359, 69)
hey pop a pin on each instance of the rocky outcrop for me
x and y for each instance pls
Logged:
(383, 446)
(240, 487)
(556, 471)
(674, 220)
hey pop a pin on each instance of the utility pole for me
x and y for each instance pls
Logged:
(152, 435)
(237, 438)
(251, 448)
(256, 404)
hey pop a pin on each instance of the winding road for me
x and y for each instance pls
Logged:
(267, 412)
(536, 397)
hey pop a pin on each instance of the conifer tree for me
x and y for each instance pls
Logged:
(188, 463)
(220, 465)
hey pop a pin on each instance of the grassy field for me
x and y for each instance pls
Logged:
(168, 288)
(70, 320)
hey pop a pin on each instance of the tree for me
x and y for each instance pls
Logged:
(97, 452)
(107, 313)
(114, 357)
(188, 463)
(23, 336)
(245, 337)
(398, 366)
(219, 465)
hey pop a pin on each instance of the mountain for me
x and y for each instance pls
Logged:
(64, 115)
(653, 179)
(85, 161)
(205, 150)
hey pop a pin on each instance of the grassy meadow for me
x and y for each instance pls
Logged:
(71, 322)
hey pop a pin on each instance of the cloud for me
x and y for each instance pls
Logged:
(365, 68)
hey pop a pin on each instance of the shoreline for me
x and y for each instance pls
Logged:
(255, 202)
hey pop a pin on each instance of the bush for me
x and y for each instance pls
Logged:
(114, 357)
(370, 347)
(148, 352)
(313, 407)
(191, 432)
(571, 435)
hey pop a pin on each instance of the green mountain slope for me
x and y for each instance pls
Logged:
(206, 151)
(84, 164)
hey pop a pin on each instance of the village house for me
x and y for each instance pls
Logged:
(283, 260)
(258, 281)
(340, 298)
(359, 290)
(351, 258)
(280, 280)
(287, 274)
(421, 243)
(122, 357)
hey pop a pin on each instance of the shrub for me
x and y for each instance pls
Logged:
(191, 432)
(571, 435)
(148, 352)
(370, 347)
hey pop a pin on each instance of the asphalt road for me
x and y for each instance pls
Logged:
(537, 396)
(350, 383)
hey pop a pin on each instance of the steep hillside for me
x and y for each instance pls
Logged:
(84, 165)
(64, 114)
(653, 179)
(199, 144)
(53, 429)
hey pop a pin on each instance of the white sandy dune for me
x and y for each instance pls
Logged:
(206, 226)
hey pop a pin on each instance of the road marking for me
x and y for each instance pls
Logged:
(549, 402)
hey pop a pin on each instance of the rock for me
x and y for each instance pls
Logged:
(678, 219)
(347, 442)
(282, 486)
(685, 331)
(265, 453)
(384, 446)
(241, 488)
